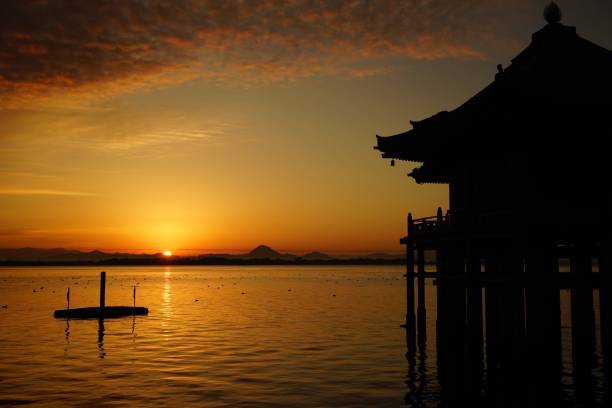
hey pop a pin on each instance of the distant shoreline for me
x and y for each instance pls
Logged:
(207, 261)
(261, 255)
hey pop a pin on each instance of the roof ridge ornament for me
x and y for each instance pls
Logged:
(552, 13)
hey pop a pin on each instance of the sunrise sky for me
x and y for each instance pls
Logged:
(197, 126)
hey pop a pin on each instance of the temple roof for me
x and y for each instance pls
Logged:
(558, 74)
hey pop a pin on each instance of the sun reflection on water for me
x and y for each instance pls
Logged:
(167, 295)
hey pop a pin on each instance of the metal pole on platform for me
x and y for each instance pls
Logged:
(102, 288)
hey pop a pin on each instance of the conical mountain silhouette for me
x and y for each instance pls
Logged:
(265, 252)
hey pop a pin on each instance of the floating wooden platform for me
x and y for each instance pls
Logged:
(100, 312)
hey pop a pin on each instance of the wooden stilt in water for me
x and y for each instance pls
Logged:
(512, 342)
(442, 318)
(474, 326)
(543, 325)
(605, 316)
(410, 314)
(421, 309)
(493, 323)
(583, 326)
(450, 324)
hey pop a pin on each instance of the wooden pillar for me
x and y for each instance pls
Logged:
(512, 311)
(451, 325)
(474, 324)
(442, 319)
(421, 308)
(583, 325)
(605, 316)
(102, 289)
(493, 324)
(410, 314)
(543, 324)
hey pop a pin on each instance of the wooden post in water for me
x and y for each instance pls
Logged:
(102, 289)
(583, 324)
(605, 302)
(410, 315)
(421, 313)
(605, 315)
(473, 322)
(543, 324)
(493, 319)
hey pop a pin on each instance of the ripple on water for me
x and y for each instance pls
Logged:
(269, 347)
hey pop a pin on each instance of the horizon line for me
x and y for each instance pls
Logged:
(200, 251)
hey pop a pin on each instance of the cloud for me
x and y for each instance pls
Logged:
(10, 232)
(25, 174)
(122, 129)
(29, 192)
(101, 48)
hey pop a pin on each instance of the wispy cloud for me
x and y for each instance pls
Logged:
(122, 129)
(45, 192)
(165, 136)
(25, 174)
(51, 48)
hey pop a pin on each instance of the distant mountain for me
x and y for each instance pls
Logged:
(30, 254)
(216, 256)
(262, 254)
(381, 255)
(265, 252)
(98, 256)
(65, 255)
(316, 256)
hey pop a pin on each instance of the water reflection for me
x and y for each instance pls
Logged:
(67, 335)
(167, 295)
(269, 347)
(101, 352)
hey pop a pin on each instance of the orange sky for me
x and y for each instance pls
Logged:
(207, 126)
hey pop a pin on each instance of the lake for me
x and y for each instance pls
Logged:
(215, 336)
(310, 336)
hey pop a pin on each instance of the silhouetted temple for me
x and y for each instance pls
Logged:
(529, 189)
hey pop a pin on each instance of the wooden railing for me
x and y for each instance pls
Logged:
(427, 224)
(460, 220)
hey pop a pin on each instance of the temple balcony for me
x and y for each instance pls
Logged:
(459, 224)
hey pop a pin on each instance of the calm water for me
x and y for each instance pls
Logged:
(226, 336)
(287, 341)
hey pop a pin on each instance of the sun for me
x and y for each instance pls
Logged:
(167, 253)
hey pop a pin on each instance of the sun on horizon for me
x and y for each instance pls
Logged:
(167, 253)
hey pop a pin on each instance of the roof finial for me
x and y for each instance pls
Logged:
(552, 13)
